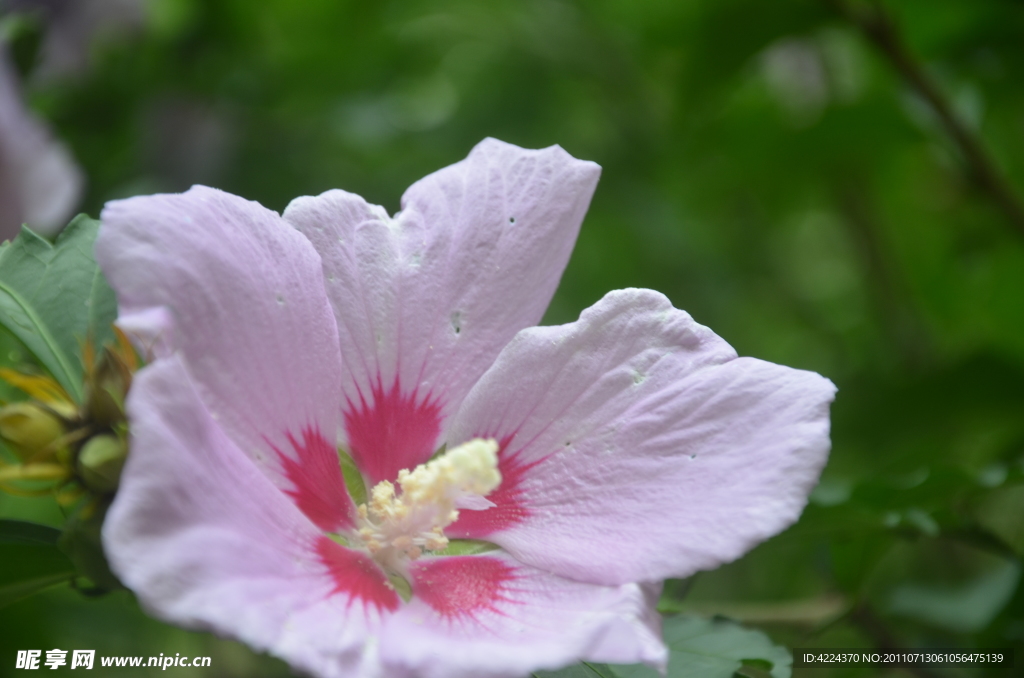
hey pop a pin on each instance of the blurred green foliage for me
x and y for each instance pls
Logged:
(766, 166)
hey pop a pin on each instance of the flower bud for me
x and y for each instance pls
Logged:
(28, 429)
(106, 390)
(100, 462)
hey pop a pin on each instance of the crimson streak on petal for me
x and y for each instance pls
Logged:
(392, 431)
(318, 486)
(356, 575)
(461, 586)
(508, 509)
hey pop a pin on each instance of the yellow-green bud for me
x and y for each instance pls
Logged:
(28, 429)
(100, 462)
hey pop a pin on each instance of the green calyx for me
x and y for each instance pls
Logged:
(466, 547)
(401, 586)
(354, 482)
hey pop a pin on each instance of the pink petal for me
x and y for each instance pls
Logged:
(492, 617)
(636, 446)
(40, 184)
(240, 294)
(206, 541)
(427, 299)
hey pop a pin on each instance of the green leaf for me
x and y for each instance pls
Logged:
(53, 297)
(584, 670)
(950, 585)
(1001, 512)
(715, 648)
(12, 355)
(30, 560)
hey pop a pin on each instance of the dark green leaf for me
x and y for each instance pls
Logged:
(762, 664)
(24, 532)
(754, 668)
(81, 541)
(53, 297)
(30, 560)
(751, 671)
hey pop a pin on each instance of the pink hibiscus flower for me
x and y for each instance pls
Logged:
(598, 457)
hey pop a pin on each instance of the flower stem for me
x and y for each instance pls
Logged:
(878, 27)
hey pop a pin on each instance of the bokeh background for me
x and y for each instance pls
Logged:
(832, 185)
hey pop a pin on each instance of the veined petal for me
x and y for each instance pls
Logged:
(240, 294)
(206, 541)
(489, 616)
(427, 299)
(636, 446)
